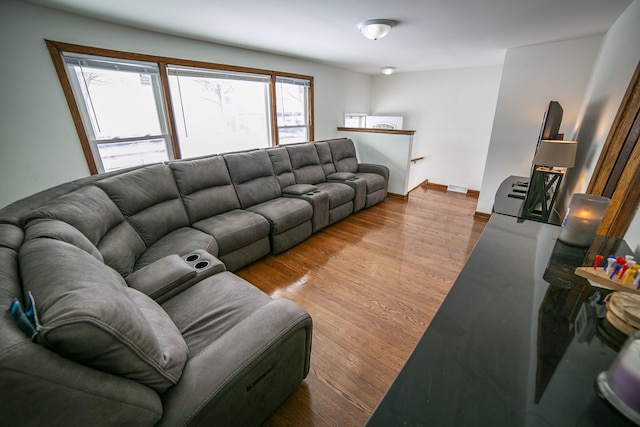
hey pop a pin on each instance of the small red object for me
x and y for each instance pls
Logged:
(598, 259)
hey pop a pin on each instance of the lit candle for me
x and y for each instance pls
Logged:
(583, 218)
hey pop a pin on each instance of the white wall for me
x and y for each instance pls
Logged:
(532, 76)
(618, 58)
(451, 112)
(39, 147)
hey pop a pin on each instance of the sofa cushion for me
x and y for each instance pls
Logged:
(58, 230)
(90, 316)
(281, 166)
(88, 209)
(253, 177)
(339, 193)
(305, 163)
(341, 176)
(284, 213)
(344, 155)
(205, 187)
(235, 229)
(299, 189)
(148, 197)
(326, 160)
(91, 211)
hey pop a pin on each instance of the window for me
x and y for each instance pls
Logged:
(133, 109)
(292, 104)
(219, 111)
(120, 104)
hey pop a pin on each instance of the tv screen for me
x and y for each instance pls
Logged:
(551, 122)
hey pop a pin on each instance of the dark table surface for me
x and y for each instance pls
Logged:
(515, 342)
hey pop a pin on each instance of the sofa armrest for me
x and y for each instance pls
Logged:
(341, 176)
(375, 168)
(162, 276)
(250, 370)
(299, 189)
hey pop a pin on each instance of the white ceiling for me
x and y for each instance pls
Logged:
(430, 34)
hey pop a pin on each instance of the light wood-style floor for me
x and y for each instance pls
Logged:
(372, 283)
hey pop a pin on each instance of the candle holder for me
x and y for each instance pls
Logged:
(583, 218)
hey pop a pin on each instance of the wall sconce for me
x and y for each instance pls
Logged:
(387, 70)
(375, 29)
(550, 163)
(583, 218)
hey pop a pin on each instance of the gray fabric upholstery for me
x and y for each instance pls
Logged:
(88, 209)
(376, 177)
(253, 177)
(58, 230)
(284, 213)
(40, 387)
(247, 254)
(205, 187)
(251, 334)
(344, 155)
(180, 242)
(324, 155)
(339, 193)
(162, 276)
(213, 206)
(235, 229)
(375, 169)
(281, 166)
(341, 176)
(299, 189)
(116, 348)
(91, 211)
(305, 163)
(307, 169)
(88, 315)
(149, 199)
(11, 236)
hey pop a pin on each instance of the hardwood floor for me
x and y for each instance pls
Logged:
(372, 283)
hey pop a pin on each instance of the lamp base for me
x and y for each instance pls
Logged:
(542, 193)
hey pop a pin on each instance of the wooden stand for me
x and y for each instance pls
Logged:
(542, 193)
(598, 276)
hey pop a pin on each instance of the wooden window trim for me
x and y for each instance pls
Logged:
(56, 48)
(617, 173)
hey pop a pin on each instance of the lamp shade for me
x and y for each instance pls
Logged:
(375, 29)
(556, 153)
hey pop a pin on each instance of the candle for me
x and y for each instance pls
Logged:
(583, 218)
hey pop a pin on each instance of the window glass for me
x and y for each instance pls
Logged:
(121, 106)
(292, 109)
(218, 111)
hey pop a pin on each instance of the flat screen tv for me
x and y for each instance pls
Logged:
(551, 122)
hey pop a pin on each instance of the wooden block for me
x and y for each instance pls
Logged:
(600, 278)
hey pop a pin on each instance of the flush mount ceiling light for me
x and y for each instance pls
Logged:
(375, 29)
(387, 70)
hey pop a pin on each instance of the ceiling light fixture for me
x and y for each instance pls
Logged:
(375, 29)
(387, 70)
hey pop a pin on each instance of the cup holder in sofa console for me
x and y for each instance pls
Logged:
(201, 265)
(204, 263)
(192, 257)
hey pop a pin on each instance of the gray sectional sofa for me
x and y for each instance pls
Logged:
(141, 321)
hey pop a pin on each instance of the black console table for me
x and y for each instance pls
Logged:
(515, 342)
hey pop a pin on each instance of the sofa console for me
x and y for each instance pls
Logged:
(120, 305)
